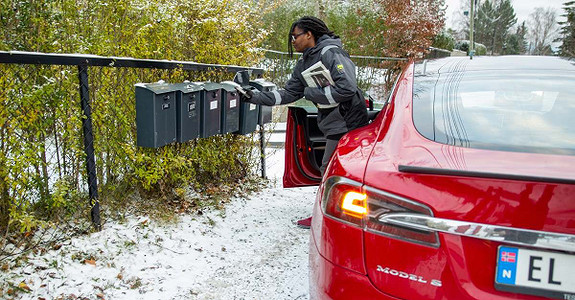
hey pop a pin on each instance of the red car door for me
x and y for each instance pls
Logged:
(304, 146)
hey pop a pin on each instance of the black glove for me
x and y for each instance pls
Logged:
(245, 94)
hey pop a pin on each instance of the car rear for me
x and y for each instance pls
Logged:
(468, 189)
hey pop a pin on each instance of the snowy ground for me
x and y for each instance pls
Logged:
(250, 250)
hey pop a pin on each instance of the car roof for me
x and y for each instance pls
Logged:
(486, 63)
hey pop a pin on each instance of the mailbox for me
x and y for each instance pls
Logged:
(262, 85)
(155, 114)
(230, 121)
(210, 109)
(248, 117)
(249, 112)
(188, 98)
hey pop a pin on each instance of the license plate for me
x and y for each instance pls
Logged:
(534, 272)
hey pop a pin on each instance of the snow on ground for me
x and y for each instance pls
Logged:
(249, 250)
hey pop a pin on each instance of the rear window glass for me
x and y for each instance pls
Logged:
(528, 111)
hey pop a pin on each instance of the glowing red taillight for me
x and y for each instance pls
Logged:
(345, 201)
(350, 202)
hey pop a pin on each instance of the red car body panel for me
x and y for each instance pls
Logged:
(512, 189)
(334, 282)
(460, 263)
(339, 243)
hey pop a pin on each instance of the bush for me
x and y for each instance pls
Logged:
(42, 161)
(463, 45)
(444, 40)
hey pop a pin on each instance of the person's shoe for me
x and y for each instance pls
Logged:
(304, 223)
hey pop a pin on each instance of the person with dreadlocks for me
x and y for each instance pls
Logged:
(341, 105)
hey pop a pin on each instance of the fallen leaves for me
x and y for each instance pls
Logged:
(23, 286)
(90, 262)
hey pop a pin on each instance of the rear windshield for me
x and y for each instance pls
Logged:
(528, 111)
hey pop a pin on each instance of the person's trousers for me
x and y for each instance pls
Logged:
(330, 146)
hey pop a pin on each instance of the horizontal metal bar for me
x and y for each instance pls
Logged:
(38, 58)
(352, 56)
(516, 236)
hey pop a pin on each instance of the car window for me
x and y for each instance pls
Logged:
(527, 111)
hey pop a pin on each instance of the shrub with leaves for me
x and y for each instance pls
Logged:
(42, 160)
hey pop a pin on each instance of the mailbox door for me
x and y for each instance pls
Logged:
(164, 119)
(193, 110)
(232, 122)
(188, 116)
(211, 113)
(248, 117)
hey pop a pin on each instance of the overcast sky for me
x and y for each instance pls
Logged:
(522, 8)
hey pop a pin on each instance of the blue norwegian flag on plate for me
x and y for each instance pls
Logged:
(507, 266)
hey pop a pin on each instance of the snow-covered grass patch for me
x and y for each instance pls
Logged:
(250, 249)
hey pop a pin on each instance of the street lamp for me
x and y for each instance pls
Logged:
(471, 25)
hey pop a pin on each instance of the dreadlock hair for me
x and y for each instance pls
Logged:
(307, 23)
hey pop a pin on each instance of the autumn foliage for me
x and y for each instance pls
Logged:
(408, 26)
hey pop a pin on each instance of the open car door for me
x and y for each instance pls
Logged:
(305, 144)
(304, 147)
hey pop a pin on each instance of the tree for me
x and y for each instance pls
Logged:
(516, 42)
(542, 30)
(493, 21)
(367, 27)
(567, 31)
(410, 25)
(462, 20)
(358, 23)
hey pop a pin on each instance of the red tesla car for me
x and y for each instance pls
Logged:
(462, 186)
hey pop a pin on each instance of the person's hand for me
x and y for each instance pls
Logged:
(245, 94)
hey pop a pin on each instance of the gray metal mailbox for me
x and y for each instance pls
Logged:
(188, 98)
(210, 108)
(262, 85)
(249, 113)
(230, 108)
(155, 114)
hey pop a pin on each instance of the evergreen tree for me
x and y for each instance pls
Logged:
(567, 31)
(494, 19)
(485, 15)
(516, 42)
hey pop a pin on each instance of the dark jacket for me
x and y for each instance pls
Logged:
(341, 106)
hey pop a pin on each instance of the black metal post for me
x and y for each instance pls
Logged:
(262, 150)
(89, 145)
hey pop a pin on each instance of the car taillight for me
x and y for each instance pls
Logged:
(348, 201)
(344, 200)
(382, 203)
